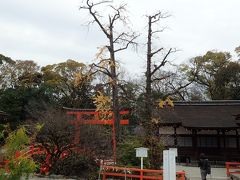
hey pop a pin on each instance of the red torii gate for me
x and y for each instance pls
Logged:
(96, 120)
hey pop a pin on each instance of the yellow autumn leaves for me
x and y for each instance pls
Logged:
(166, 103)
(103, 103)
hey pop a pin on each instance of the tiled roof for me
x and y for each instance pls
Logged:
(207, 114)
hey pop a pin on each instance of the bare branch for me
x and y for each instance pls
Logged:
(117, 15)
(176, 90)
(119, 37)
(157, 16)
(155, 52)
(94, 14)
(131, 41)
(101, 2)
(103, 70)
(157, 31)
(163, 62)
(162, 78)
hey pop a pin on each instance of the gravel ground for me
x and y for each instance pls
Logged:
(193, 173)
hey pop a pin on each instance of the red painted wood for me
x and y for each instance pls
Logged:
(119, 172)
(235, 166)
(95, 120)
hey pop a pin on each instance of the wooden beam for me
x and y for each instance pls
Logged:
(95, 121)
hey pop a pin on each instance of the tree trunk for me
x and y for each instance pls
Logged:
(114, 86)
(148, 95)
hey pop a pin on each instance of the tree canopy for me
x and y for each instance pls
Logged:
(217, 73)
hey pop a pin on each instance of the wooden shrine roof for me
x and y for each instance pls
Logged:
(202, 115)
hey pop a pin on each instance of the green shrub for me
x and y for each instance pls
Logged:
(16, 141)
(127, 152)
(22, 166)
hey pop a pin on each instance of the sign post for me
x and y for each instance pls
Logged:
(141, 152)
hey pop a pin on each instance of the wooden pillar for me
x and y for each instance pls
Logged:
(194, 138)
(194, 143)
(218, 139)
(237, 139)
(224, 139)
(175, 136)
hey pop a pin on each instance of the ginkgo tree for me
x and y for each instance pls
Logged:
(156, 58)
(110, 21)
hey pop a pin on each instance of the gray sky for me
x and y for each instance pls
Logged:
(52, 31)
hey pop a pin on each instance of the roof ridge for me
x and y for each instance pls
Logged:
(211, 102)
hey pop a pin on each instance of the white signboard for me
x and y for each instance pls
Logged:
(165, 165)
(169, 165)
(174, 150)
(141, 152)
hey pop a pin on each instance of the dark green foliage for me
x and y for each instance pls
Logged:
(127, 153)
(227, 82)
(79, 165)
(216, 74)
(12, 101)
(16, 101)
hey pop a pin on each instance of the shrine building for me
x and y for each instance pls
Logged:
(210, 127)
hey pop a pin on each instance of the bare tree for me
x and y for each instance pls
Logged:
(117, 42)
(153, 68)
(153, 76)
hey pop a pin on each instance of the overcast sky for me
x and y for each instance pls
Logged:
(52, 31)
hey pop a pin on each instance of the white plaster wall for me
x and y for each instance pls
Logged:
(166, 130)
(232, 132)
(182, 130)
(207, 132)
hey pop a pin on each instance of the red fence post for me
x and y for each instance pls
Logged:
(104, 176)
(141, 174)
(114, 141)
(183, 176)
(227, 168)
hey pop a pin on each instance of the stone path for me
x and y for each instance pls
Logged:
(193, 173)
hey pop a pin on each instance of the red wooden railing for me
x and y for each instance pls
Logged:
(113, 171)
(232, 168)
(32, 150)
